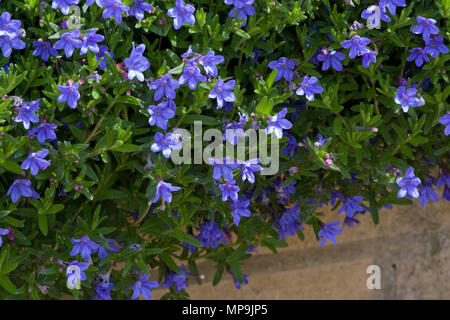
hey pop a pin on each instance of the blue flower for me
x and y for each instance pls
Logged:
(139, 8)
(102, 291)
(229, 189)
(223, 92)
(3, 232)
(426, 27)
(368, 57)
(114, 8)
(244, 8)
(426, 192)
(136, 63)
(36, 161)
(69, 94)
(210, 235)
(351, 206)
(181, 13)
(418, 55)
(164, 190)
(103, 251)
(407, 98)
(446, 193)
(64, 5)
(209, 62)
(291, 146)
(143, 286)
(44, 49)
(445, 120)
(191, 75)
(75, 274)
(392, 4)
(284, 67)
(44, 131)
(357, 46)
(248, 168)
(177, 280)
(309, 88)
(101, 55)
(22, 187)
(289, 222)
(165, 86)
(85, 246)
(408, 185)
(237, 284)
(223, 168)
(90, 42)
(374, 15)
(7, 44)
(26, 115)
(435, 45)
(98, 2)
(332, 59)
(239, 210)
(277, 123)
(9, 27)
(165, 143)
(330, 231)
(160, 114)
(69, 41)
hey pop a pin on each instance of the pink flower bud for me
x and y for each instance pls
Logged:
(328, 162)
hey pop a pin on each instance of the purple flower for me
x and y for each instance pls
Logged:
(392, 4)
(136, 63)
(36, 161)
(143, 286)
(26, 115)
(330, 231)
(244, 8)
(114, 8)
(101, 55)
(9, 27)
(289, 222)
(332, 59)
(84, 246)
(177, 280)
(321, 140)
(223, 168)
(406, 98)
(368, 57)
(277, 123)
(210, 235)
(239, 210)
(209, 62)
(408, 185)
(139, 8)
(351, 206)
(44, 131)
(223, 91)
(191, 75)
(7, 44)
(3, 232)
(64, 5)
(229, 189)
(446, 193)
(291, 146)
(69, 41)
(165, 143)
(160, 114)
(75, 274)
(69, 94)
(98, 2)
(103, 251)
(248, 168)
(444, 179)
(435, 45)
(357, 46)
(237, 284)
(44, 49)
(181, 13)
(309, 88)
(426, 27)
(21, 187)
(102, 291)
(164, 191)
(374, 14)
(418, 55)
(445, 120)
(284, 67)
(90, 42)
(335, 194)
(426, 192)
(165, 86)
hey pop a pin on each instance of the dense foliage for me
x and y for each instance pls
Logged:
(90, 201)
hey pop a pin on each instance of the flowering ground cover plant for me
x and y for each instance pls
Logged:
(355, 92)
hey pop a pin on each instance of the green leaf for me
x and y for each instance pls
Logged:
(169, 262)
(238, 253)
(127, 147)
(42, 222)
(237, 270)
(337, 125)
(182, 236)
(7, 284)
(265, 106)
(11, 166)
(271, 78)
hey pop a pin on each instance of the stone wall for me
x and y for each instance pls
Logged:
(411, 245)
